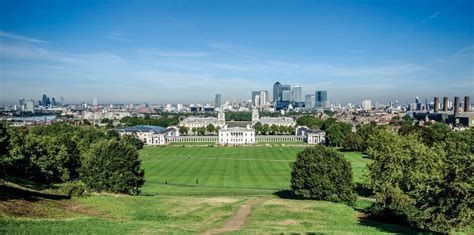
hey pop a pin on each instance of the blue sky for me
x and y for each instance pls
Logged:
(186, 51)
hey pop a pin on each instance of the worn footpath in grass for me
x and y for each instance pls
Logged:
(125, 214)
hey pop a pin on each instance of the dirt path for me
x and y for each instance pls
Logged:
(238, 219)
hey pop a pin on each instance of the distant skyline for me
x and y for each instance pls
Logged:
(187, 51)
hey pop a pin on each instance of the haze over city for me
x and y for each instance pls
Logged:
(186, 51)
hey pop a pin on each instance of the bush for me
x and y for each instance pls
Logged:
(322, 173)
(73, 188)
(112, 166)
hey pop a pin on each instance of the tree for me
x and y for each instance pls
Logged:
(210, 129)
(322, 173)
(4, 142)
(112, 166)
(309, 121)
(183, 130)
(201, 130)
(258, 127)
(274, 129)
(194, 130)
(353, 142)
(265, 129)
(428, 186)
(133, 140)
(336, 133)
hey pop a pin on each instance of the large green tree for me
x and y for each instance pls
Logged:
(112, 166)
(429, 186)
(322, 173)
(337, 132)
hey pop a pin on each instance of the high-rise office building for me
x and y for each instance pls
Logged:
(218, 101)
(254, 94)
(29, 106)
(321, 98)
(44, 101)
(309, 101)
(53, 101)
(366, 105)
(264, 97)
(277, 89)
(95, 102)
(296, 93)
(286, 95)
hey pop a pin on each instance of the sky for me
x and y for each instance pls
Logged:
(187, 51)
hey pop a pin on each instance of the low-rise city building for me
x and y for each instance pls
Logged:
(150, 135)
(311, 136)
(237, 135)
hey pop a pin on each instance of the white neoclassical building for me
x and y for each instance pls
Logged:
(195, 122)
(150, 135)
(236, 135)
(311, 136)
(277, 121)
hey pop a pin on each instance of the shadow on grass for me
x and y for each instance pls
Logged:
(288, 194)
(30, 184)
(362, 190)
(391, 227)
(9, 193)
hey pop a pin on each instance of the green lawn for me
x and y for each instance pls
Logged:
(231, 171)
(224, 170)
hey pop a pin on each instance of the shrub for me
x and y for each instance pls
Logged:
(322, 173)
(73, 188)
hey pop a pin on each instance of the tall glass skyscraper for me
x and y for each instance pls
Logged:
(277, 89)
(321, 98)
(218, 101)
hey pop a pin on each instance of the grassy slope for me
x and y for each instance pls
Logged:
(255, 167)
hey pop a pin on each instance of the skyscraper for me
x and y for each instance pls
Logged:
(95, 102)
(218, 101)
(254, 94)
(366, 105)
(296, 94)
(44, 101)
(264, 97)
(309, 101)
(277, 88)
(286, 95)
(321, 98)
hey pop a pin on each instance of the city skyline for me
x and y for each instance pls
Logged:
(185, 52)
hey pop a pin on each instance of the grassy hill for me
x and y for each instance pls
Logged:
(26, 207)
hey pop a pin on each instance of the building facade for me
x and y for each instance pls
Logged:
(150, 135)
(321, 99)
(237, 135)
(311, 136)
(277, 121)
(196, 122)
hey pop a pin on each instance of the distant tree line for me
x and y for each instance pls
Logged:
(60, 153)
(163, 121)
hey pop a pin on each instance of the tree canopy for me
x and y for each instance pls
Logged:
(322, 173)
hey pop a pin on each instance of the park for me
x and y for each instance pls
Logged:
(194, 189)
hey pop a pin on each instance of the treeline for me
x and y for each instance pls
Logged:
(273, 129)
(420, 176)
(147, 120)
(61, 153)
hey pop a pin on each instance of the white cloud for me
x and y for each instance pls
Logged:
(19, 37)
(431, 17)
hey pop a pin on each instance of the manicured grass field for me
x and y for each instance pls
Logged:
(224, 171)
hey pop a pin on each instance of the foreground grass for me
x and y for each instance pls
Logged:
(122, 215)
(304, 216)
